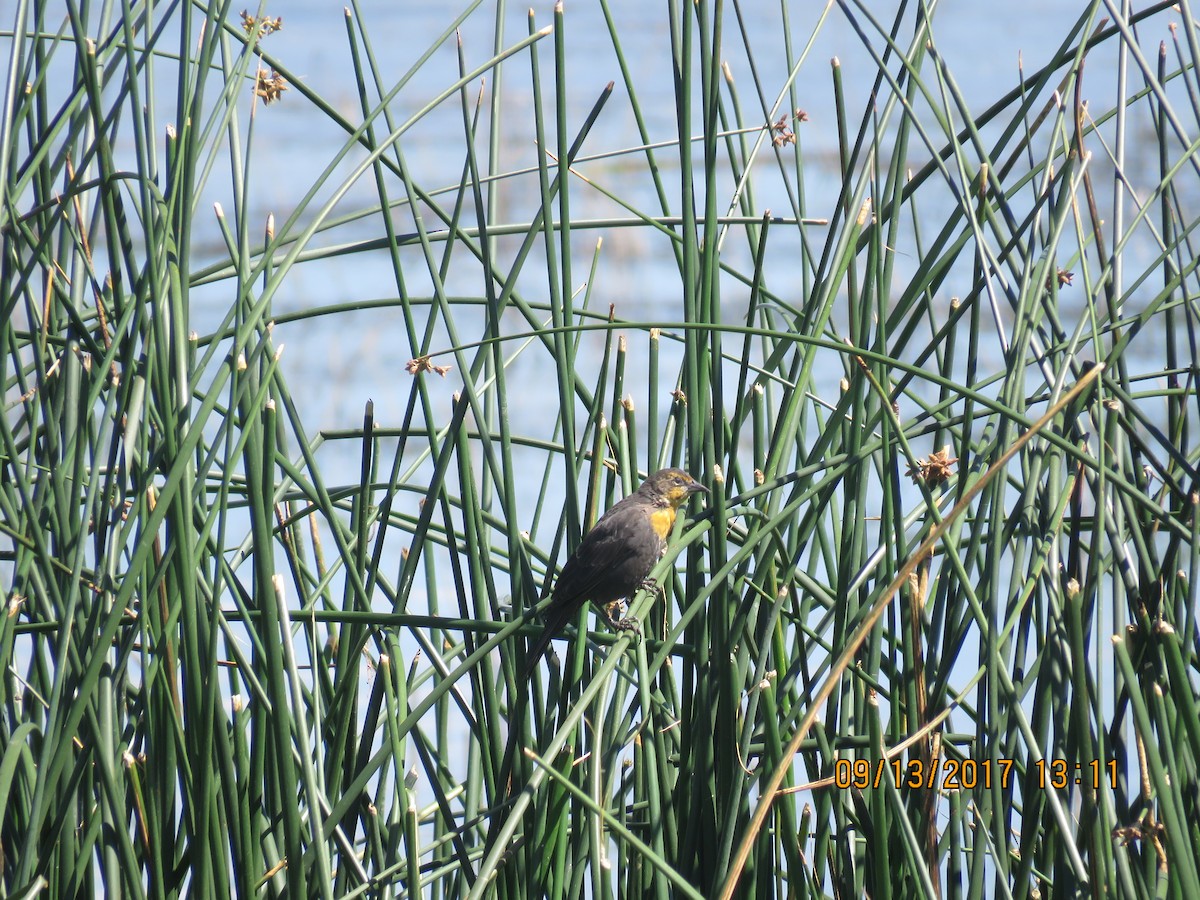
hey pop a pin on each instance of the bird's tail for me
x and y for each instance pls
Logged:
(555, 620)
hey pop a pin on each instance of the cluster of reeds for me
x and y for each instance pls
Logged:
(932, 633)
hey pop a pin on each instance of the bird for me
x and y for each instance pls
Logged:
(615, 558)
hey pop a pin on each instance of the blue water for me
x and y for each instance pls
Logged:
(345, 360)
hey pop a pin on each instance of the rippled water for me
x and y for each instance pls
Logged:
(338, 365)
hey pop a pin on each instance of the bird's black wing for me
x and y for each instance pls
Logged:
(599, 568)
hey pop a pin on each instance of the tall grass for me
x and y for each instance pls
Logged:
(932, 634)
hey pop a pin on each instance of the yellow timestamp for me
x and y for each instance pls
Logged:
(937, 774)
(971, 774)
(1061, 773)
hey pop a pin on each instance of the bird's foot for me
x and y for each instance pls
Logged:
(649, 584)
(617, 620)
(629, 623)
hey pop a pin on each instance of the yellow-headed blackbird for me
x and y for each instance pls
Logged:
(617, 555)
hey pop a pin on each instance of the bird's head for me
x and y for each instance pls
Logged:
(672, 485)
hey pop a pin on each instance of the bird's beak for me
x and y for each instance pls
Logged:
(696, 486)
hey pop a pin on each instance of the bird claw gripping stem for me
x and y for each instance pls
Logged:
(617, 620)
(629, 623)
(649, 584)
